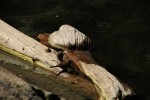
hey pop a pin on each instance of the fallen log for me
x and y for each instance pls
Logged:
(30, 50)
(66, 87)
(17, 43)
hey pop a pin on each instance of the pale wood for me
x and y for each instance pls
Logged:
(48, 81)
(27, 48)
(107, 85)
(12, 39)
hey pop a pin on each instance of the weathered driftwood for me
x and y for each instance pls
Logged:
(66, 87)
(26, 47)
(107, 85)
(21, 45)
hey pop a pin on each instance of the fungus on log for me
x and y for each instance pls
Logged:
(107, 85)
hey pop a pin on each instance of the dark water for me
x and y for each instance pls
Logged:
(119, 29)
